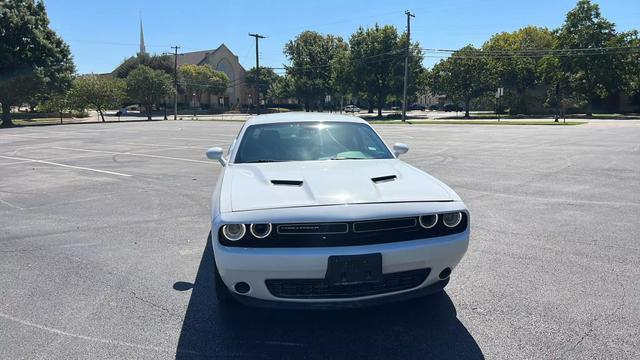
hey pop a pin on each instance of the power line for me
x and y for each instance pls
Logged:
(469, 55)
(534, 50)
(530, 53)
(392, 52)
(114, 43)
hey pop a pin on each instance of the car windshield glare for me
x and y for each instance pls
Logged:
(306, 141)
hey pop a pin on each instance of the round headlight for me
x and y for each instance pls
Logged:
(234, 232)
(452, 220)
(428, 221)
(260, 231)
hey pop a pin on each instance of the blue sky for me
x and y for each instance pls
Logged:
(102, 33)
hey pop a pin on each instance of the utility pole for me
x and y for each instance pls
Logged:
(257, 87)
(175, 82)
(406, 65)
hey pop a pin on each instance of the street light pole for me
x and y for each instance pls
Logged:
(175, 82)
(257, 86)
(406, 65)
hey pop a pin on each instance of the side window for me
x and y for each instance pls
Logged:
(235, 141)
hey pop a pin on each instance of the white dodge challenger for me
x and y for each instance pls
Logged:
(314, 210)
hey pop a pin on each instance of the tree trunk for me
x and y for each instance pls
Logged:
(101, 114)
(370, 107)
(149, 112)
(380, 104)
(521, 102)
(60, 113)
(466, 108)
(589, 105)
(6, 115)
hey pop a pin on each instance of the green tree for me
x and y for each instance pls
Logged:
(282, 88)
(148, 86)
(375, 57)
(377, 64)
(200, 79)
(32, 57)
(262, 85)
(57, 103)
(632, 63)
(157, 62)
(342, 79)
(311, 55)
(462, 77)
(518, 74)
(415, 73)
(594, 74)
(100, 92)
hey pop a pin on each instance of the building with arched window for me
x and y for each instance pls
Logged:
(220, 59)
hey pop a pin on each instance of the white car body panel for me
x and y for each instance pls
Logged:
(332, 191)
(330, 182)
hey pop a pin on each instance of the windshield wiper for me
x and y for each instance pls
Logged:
(347, 158)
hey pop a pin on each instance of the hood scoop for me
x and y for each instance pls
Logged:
(287, 182)
(382, 179)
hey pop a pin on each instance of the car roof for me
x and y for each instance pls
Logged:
(302, 117)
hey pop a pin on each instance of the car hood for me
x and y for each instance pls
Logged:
(331, 182)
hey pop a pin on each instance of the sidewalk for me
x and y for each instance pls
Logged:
(94, 118)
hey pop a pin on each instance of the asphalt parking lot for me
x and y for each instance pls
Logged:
(103, 230)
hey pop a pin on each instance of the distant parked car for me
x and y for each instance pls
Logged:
(352, 109)
(434, 107)
(453, 107)
(416, 106)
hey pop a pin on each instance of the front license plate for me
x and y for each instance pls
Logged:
(354, 269)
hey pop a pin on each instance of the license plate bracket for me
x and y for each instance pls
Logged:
(354, 269)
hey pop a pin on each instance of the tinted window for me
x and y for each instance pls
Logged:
(310, 141)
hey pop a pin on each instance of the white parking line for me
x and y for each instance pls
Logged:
(200, 139)
(92, 338)
(166, 146)
(11, 205)
(65, 165)
(14, 163)
(134, 154)
(28, 136)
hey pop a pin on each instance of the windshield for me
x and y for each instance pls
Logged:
(306, 141)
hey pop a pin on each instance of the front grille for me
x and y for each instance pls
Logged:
(384, 224)
(320, 288)
(326, 228)
(355, 233)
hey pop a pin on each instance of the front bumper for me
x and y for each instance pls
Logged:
(376, 301)
(255, 265)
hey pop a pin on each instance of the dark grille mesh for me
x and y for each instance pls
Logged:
(320, 288)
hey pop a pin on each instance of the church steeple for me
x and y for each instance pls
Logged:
(143, 49)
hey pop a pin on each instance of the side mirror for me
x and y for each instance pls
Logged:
(216, 153)
(399, 149)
